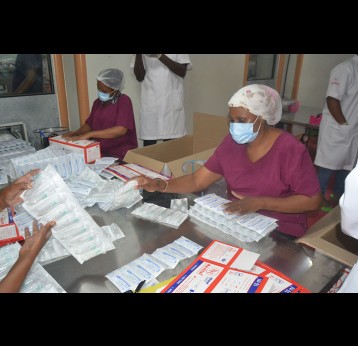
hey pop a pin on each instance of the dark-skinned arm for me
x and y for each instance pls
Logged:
(139, 70)
(175, 67)
(334, 106)
(291, 204)
(81, 131)
(198, 181)
(33, 244)
(112, 132)
(10, 195)
(27, 82)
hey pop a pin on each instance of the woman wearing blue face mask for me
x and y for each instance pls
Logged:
(243, 133)
(111, 121)
(266, 169)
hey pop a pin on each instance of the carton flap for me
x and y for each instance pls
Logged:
(332, 251)
(209, 131)
(325, 223)
(176, 167)
(327, 237)
(167, 151)
(133, 157)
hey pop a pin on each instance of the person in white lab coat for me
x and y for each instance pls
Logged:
(349, 224)
(162, 115)
(337, 146)
(349, 205)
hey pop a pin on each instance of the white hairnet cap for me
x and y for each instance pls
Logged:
(260, 100)
(112, 77)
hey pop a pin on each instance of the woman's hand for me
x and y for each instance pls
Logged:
(10, 195)
(243, 205)
(148, 184)
(35, 242)
(79, 137)
(68, 134)
(28, 177)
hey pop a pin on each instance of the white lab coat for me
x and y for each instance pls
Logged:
(337, 146)
(162, 113)
(349, 224)
(349, 205)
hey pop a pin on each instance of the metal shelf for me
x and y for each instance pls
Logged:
(17, 129)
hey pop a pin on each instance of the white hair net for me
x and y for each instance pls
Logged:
(112, 77)
(260, 100)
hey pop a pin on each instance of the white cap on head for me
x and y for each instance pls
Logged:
(260, 100)
(112, 77)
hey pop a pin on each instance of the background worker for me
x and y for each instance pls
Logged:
(162, 115)
(111, 121)
(266, 169)
(337, 146)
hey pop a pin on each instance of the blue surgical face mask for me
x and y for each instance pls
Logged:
(105, 97)
(243, 132)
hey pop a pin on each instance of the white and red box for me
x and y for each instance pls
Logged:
(91, 150)
(9, 232)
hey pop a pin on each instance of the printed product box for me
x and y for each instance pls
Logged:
(91, 150)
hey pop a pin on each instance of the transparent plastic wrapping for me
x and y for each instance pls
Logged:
(89, 188)
(62, 161)
(112, 232)
(122, 196)
(75, 229)
(23, 220)
(51, 251)
(37, 195)
(248, 228)
(36, 281)
(152, 212)
(48, 204)
(179, 204)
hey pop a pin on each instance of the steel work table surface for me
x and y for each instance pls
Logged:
(306, 266)
(301, 117)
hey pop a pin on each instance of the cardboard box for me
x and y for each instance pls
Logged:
(169, 157)
(91, 150)
(327, 237)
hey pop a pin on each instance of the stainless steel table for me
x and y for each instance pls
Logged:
(301, 118)
(309, 268)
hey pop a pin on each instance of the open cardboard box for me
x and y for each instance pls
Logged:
(169, 157)
(327, 237)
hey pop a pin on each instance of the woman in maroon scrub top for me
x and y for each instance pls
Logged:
(111, 121)
(266, 169)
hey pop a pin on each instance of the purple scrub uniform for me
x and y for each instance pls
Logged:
(120, 113)
(285, 170)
